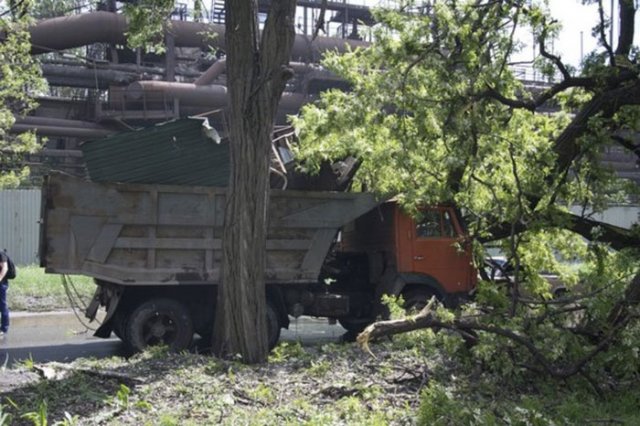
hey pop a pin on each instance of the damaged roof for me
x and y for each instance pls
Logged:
(181, 152)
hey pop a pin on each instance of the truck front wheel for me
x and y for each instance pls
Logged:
(355, 325)
(416, 299)
(160, 322)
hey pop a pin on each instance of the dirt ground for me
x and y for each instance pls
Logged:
(323, 384)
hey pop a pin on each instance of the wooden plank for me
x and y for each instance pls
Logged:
(151, 253)
(200, 243)
(142, 276)
(330, 214)
(208, 254)
(319, 248)
(288, 244)
(169, 243)
(104, 243)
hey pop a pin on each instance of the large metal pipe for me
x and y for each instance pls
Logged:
(106, 27)
(219, 67)
(47, 126)
(78, 76)
(71, 132)
(214, 96)
(212, 73)
(58, 122)
(192, 95)
(66, 32)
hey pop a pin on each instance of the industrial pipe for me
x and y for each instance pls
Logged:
(58, 122)
(192, 95)
(106, 27)
(78, 76)
(72, 132)
(212, 73)
(213, 96)
(46, 126)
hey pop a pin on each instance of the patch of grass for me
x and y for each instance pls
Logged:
(286, 351)
(262, 393)
(346, 387)
(33, 290)
(319, 368)
(445, 403)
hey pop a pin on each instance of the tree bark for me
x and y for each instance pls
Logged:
(257, 72)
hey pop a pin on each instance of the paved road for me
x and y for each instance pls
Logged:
(59, 336)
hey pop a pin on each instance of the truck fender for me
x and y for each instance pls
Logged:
(393, 283)
(420, 280)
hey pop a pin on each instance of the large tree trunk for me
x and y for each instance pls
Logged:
(256, 76)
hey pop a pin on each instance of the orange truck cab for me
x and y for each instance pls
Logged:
(385, 251)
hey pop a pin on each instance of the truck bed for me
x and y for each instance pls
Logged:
(134, 234)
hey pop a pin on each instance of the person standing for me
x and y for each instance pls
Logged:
(4, 286)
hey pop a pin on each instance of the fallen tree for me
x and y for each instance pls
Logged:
(438, 115)
(600, 338)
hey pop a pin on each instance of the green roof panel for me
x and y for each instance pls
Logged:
(180, 152)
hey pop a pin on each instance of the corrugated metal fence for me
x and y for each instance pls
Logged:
(19, 227)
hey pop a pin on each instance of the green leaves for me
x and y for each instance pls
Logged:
(418, 118)
(147, 19)
(430, 117)
(20, 81)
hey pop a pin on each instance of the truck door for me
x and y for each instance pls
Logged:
(437, 249)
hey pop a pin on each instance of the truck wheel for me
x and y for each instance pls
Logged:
(273, 325)
(415, 300)
(355, 325)
(119, 325)
(160, 322)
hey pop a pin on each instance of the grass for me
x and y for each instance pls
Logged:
(401, 386)
(33, 290)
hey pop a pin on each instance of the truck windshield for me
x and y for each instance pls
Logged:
(435, 224)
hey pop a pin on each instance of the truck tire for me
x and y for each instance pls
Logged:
(273, 325)
(416, 299)
(159, 322)
(119, 322)
(355, 325)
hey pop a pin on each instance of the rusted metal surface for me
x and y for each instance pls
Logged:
(105, 27)
(135, 234)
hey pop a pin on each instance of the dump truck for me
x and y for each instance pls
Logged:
(154, 252)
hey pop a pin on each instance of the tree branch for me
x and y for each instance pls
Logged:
(553, 58)
(627, 27)
(583, 82)
(593, 230)
(275, 47)
(603, 37)
(320, 21)
(467, 327)
(628, 144)
(606, 104)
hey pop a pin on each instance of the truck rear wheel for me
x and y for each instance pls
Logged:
(160, 322)
(120, 324)
(273, 325)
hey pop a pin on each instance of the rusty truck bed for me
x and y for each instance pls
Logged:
(133, 234)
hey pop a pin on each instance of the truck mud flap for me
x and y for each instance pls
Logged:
(113, 296)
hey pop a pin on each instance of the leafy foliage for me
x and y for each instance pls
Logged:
(147, 19)
(21, 79)
(437, 115)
